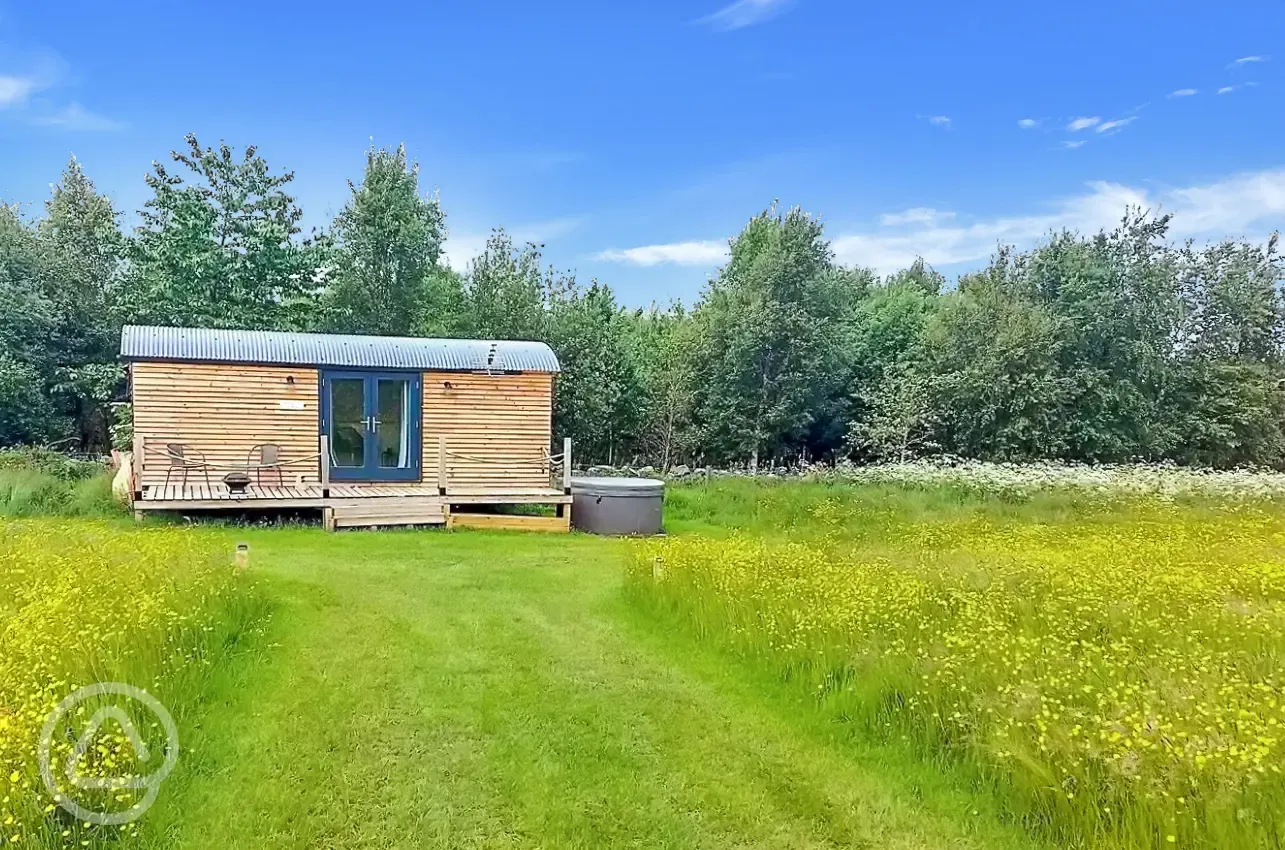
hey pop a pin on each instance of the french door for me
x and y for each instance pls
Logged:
(373, 422)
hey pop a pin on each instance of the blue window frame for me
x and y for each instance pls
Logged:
(373, 422)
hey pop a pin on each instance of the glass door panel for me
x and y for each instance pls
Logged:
(348, 422)
(372, 419)
(392, 423)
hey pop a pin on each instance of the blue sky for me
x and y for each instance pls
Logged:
(634, 138)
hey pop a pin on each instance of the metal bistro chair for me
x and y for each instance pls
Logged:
(182, 459)
(269, 459)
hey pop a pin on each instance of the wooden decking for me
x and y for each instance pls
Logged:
(357, 504)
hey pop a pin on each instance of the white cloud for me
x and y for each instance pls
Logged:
(1082, 123)
(45, 74)
(1233, 206)
(76, 117)
(1183, 93)
(1028, 123)
(14, 90)
(697, 253)
(939, 121)
(745, 13)
(1245, 60)
(1247, 204)
(1116, 124)
(463, 245)
(1227, 89)
(1072, 145)
(915, 215)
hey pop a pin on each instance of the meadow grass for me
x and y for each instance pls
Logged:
(83, 602)
(1110, 667)
(472, 689)
(475, 689)
(30, 492)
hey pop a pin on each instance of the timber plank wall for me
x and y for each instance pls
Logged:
(502, 424)
(222, 410)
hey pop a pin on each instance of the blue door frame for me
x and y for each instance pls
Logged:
(368, 427)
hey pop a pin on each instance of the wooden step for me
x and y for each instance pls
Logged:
(364, 513)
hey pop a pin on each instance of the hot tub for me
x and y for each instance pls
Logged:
(617, 505)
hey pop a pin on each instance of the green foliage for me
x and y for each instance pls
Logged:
(26, 414)
(1108, 347)
(505, 291)
(26, 323)
(768, 339)
(444, 313)
(887, 382)
(897, 417)
(56, 328)
(50, 462)
(993, 355)
(660, 343)
(122, 427)
(387, 242)
(217, 246)
(598, 399)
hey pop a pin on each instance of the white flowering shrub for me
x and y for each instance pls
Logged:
(1157, 480)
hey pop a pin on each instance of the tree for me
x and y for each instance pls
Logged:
(919, 276)
(445, 312)
(598, 402)
(26, 414)
(1116, 304)
(218, 248)
(84, 252)
(388, 240)
(997, 389)
(768, 338)
(1229, 398)
(1229, 413)
(898, 417)
(82, 231)
(1232, 299)
(504, 291)
(27, 322)
(885, 383)
(660, 342)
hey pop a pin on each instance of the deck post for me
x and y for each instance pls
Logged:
(441, 464)
(325, 466)
(566, 465)
(136, 467)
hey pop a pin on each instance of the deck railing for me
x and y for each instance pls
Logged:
(557, 468)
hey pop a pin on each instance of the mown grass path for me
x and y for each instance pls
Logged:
(430, 689)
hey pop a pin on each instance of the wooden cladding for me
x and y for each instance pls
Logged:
(498, 428)
(222, 411)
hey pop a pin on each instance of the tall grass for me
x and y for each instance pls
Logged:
(36, 482)
(812, 509)
(1114, 671)
(83, 602)
(30, 493)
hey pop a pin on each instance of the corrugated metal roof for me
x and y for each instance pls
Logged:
(344, 350)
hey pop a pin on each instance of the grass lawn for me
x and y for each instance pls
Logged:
(471, 689)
